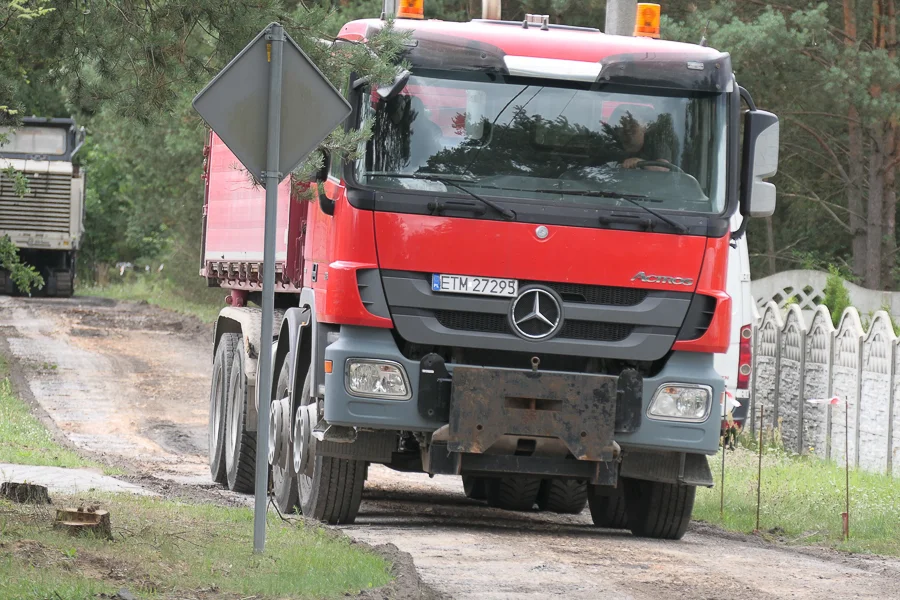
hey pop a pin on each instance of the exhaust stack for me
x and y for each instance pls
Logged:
(490, 10)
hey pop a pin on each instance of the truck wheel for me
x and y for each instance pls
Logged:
(565, 496)
(513, 493)
(330, 489)
(51, 284)
(475, 487)
(221, 375)
(658, 510)
(608, 511)
(65, 284)
(284, 487)
(240, 444)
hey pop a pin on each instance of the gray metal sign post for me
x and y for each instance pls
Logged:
(303, 104)
(264, 381)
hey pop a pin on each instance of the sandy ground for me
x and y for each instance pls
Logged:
(128, 384)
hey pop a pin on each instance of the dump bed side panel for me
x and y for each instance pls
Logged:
(235, 223)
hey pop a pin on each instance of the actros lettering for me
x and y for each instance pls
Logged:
(642, 276)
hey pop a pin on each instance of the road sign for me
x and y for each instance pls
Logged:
(271, 106)
(234, 105)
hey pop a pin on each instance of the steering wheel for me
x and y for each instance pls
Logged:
(659, 163)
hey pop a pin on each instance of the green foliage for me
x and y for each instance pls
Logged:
(19, 180)
(24, 276)
(837, 298)
(23, 440)
(171, 548)
(802, 499)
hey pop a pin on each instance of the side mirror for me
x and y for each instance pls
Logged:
(80, 137)
(325, 203)
(390, 91)
(759, 161)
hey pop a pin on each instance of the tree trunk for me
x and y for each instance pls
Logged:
(770, 246)
(875, 210)
(889, 249)
(855, 164)
(474, 8)
(855, 193)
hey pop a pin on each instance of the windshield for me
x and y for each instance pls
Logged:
(33, 140)
(550, 143)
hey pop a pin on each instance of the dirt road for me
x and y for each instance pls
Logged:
(129, 383)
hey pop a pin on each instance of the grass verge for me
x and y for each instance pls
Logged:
(23, 439)
(162, 293)
(802, 501)
(168, 549)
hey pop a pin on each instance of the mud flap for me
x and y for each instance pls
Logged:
(666, 467)
(577, 408)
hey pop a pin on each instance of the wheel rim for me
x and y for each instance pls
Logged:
(215, 421)
(233, 415)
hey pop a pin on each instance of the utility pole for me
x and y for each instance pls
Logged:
(620, 16)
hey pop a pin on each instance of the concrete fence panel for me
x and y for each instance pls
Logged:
(873, 444)
(790, 379)
(817, 382)
(845, 381)
(766, 357)
(894, 455)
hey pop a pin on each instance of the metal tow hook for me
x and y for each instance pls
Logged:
(535, 363)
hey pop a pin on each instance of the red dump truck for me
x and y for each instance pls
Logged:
(520, 282)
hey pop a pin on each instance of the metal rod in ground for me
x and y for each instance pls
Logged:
(722, 486)
(762, 411)
(272, 178)
(846, 515)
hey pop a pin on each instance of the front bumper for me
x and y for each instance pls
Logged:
(600, 418)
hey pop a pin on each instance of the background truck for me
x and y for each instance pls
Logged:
(522, 281)
(46, 223)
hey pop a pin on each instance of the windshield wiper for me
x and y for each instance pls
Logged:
(449, 181)
(630, 198)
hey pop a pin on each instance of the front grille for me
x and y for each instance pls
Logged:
(492, 323)
(594, 294)
(467, 321)
(591, 330)
(45, 208)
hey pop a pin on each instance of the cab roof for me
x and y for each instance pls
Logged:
(512, 38)
(556, 53)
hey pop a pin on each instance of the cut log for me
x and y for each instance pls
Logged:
(25, 493)
(78, 521)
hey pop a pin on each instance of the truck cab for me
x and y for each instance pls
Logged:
(46, 223)
(520, 280)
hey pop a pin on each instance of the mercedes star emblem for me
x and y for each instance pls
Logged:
(536, 314)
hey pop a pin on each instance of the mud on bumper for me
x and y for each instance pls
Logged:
(608, 410)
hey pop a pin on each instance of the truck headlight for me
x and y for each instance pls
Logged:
(376, 379)
(681, 402)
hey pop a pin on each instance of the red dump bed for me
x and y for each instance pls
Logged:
(233, 225)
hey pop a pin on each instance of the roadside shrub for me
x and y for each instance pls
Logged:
(837, 298)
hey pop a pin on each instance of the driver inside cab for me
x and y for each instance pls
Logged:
(641, 137)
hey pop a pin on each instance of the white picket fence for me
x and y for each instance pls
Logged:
(797, 358)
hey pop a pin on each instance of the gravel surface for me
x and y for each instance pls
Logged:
(128, 384)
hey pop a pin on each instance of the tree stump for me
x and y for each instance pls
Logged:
(24, 493)
(78, 521)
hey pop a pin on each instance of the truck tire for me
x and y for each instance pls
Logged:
(658, 510)
(513, 493)
(608, 511)
(65, 284)
(240, 444)
(284, 485)
(221, 375)
(564, 496)
(475, 487)
(333, 491)
(51, 284)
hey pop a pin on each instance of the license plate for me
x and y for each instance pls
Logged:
(467, 284)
